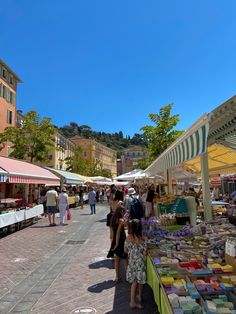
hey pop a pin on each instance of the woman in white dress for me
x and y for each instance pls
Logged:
(63, 205)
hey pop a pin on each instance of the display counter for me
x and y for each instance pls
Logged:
(71, 200)
(14, 217)
(188, 269)
(158, 292)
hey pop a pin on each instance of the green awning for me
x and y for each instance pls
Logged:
(67, 177)
(190, 144)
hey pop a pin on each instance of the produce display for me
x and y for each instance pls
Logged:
(190, 264)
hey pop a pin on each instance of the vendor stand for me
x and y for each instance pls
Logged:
(197, 273)
(70, 180)
(14, 210)
(207, 148)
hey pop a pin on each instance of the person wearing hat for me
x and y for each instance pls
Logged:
(63, 205)
(133, 204)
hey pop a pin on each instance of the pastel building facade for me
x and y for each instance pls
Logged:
(93, 150)
(8, 89)
(130, 158)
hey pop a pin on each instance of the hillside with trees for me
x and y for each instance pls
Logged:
(116, 141)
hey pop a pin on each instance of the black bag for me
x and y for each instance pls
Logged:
(109, 217)
(136, 209)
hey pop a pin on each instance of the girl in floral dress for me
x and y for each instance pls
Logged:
(136, 248)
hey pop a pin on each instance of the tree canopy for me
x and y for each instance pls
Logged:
(116, 140)
(79, 164)
(33, 140)
(161, 135)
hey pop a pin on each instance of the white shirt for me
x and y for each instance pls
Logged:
(63, 198)
(51, 197)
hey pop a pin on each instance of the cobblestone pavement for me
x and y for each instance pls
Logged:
(61, 269)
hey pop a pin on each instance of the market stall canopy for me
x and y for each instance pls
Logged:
(99, 178)
(68, 177)
(217, 127)
(117, 183)
(221, 160)
(138, 174)
(131, 175)
(19, 171)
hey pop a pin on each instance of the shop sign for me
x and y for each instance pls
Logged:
(215, 181)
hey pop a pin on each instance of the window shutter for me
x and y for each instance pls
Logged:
(0, 90)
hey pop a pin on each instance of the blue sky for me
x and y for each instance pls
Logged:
(108, 64)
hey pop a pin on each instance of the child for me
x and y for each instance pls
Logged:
(136, 272)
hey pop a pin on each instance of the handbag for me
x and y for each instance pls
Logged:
(109, 217)
(68, 215)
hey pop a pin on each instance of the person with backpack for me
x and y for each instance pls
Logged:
(133, 204)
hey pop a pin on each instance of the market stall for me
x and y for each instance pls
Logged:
(69, 179)
(192, 269)
(17, 179)
(208, 146)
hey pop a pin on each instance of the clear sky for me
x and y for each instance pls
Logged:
(109, 63)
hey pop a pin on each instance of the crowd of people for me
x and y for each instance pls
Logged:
(127, 207)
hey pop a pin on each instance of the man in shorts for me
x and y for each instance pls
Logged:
(51, 203)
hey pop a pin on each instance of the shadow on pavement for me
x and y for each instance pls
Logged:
(99, 287)
(122, 299)
(106, 263)
(85, 214)
(102, 220)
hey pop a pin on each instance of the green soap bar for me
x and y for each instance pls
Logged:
(223, 310)
(229, 305)
(194, 306)
(186, 309)
(218, 302)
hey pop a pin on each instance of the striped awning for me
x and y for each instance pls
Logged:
(223, 124)
(18, 171)
(68, 177)
(190, 144)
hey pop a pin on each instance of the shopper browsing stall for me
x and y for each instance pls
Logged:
(136, 248)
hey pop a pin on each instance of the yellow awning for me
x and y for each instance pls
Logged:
(221, 160)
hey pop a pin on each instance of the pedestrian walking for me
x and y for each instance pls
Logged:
(136, 248)
(92, 200)
(51, 203)
(118, 240)
(81, 198)
(63, 205)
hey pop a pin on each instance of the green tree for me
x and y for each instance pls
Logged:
(33, 140)
(77, 163)
(162, 134)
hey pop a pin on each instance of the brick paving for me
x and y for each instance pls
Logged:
(42, 272)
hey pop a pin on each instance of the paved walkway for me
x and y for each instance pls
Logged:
(61, 269)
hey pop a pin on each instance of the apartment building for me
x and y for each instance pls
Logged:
(63, 148)
(94, 150)
(8, 88)
(129, 159)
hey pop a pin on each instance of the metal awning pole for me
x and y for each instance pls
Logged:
(206, 187)
(169, 181)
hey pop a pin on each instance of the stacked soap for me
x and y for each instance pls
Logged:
(184, 305)
(192, 291)
(219, 306)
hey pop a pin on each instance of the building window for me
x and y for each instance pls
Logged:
(9, 116)
(85, 154)
(4, 73)
(9, 151)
